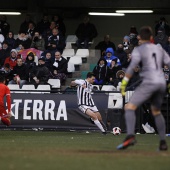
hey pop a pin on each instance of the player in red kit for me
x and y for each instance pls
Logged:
(4, 91)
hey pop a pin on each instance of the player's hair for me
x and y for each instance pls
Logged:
(2, 79)
(90, 74)
(145, 32)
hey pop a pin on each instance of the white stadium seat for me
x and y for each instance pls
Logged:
(84, 53)
(70, 67)
(55, 83)
(67, 53)
(108, 88)
(29, 88)
(14, 87)
(76, 60)
(44, 88)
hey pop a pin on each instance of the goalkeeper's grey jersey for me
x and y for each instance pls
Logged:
(152, 58)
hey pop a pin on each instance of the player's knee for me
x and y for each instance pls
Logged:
(130, 106)
(155, 111)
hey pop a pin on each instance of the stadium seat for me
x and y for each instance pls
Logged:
(55, 83)
(96, 87)
(83, 53)
(14, 87)
(70, 67)
(84, 74)
(29, 88)
(108, 88)
(43, 88)
(67, 53)
(77, 61)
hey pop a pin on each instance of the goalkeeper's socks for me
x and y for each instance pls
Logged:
(98, 124)
(130, 121)
(160, 124)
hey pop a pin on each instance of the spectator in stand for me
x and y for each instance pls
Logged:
(4, 25)
(49, 61)
(59, 24)
(116, 81)
(110, 56)
(12, 60)
(38, 42)
(4, 53)
(22, 40)
(85, 32)
(2, 38)
(59, 67)
(10, 39)
(167, 46)
(113, 69)
(101, 72)
(6, 72)
(135, 80)
(128, 60)
(44, 24)
(133, 36)
(161, 38)
(103, 45)
(164, 25)
(48, 32)
(24, 25)
(126, 42)
(30, 64)
(56, 42)
(31, 30)
(121, 55)
(20, 74)
(39, 74)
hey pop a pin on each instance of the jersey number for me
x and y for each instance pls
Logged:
(154, 56)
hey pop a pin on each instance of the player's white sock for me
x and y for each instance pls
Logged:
(98, 124)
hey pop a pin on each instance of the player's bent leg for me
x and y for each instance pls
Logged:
(95, 120)
(6, 121)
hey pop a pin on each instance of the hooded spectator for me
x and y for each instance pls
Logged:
(110, 56)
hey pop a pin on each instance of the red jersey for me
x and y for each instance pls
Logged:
(4, 91)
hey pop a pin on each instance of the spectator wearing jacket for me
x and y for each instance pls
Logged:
(12, 60)
(30, 64)
(10, 39)
(110, 56)
(39, 74)
(60, 67)
(4, 53)
(55, 42)
(85, 32)
(38, 42)
(101, 72)
(22, 40)
(121, 55)
(20, 75)
(103, 45)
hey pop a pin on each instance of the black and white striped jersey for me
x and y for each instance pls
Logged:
(84, 94)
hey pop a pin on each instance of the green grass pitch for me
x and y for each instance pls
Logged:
(48, 150)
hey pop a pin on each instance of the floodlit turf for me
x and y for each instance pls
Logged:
(22, 150)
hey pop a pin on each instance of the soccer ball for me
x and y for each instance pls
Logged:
(116, 131)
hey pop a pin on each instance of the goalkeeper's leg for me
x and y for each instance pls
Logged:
(5, 119)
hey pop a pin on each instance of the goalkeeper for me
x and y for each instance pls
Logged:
(151, 57)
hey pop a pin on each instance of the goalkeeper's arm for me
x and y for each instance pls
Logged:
(125, 83)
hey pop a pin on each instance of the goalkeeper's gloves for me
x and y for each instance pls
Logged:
(123, 85)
